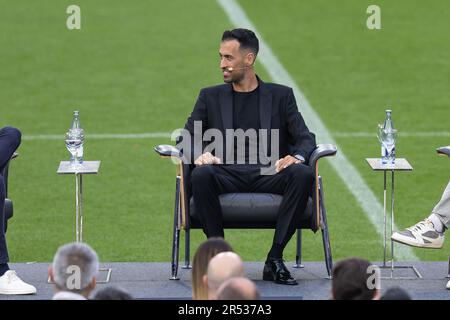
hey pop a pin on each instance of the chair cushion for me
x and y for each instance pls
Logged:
(251, 210)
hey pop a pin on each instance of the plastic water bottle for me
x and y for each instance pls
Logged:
(387, 139)
(75, 140)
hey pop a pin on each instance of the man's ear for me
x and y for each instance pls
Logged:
(93, 284)
(377, 295)
(249, 59)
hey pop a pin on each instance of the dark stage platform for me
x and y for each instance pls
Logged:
(151, 281)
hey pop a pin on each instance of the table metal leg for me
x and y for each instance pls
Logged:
(79, 207)
(79, 213)
(392, 222)
(384, 213)
(108, 272)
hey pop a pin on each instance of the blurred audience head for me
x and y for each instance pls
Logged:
(74, 269)
(205, 252)
(238, 288)
(112, 293)
(396, 293)
(223, 266)
(355, 279)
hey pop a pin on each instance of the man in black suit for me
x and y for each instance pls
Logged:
(246, 103)
(10, 283)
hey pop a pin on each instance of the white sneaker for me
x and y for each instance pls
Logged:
(448, 284)
(10, 283)
(421, 235)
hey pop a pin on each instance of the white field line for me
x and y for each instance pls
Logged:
(145, 135)
(347, 172)
(99, 136)
(430, 134)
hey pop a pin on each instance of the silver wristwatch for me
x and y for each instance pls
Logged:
(299, 157)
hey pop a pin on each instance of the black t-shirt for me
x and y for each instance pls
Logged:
(246, 116)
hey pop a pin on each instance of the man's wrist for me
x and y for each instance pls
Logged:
(299, 157)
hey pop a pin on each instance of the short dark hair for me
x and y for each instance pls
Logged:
(246, 38)
(396, 293)
(350, 280)
(112, 293)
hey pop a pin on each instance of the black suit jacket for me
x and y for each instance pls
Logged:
(277, 110)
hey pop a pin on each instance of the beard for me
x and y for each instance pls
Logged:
(235, 77)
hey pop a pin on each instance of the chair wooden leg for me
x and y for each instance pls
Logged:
(298, 256)
(325, 234)
(187, 247)
(176, 233)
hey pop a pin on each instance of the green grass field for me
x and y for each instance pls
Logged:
(137, 67)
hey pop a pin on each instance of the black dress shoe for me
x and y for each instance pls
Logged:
(275, 270)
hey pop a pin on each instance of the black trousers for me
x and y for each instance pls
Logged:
(9, 141)
(294, 183)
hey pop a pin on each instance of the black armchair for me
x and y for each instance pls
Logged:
(9, 210)
(246, 210)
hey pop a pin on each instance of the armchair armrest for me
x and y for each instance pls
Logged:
(183, 170)
(165, 150)
(322, 150)
(443, 151)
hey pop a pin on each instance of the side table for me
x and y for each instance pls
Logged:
(401, 164)
(87, 167)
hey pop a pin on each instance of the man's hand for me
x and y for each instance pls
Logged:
(285, 162)
(207, 158)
